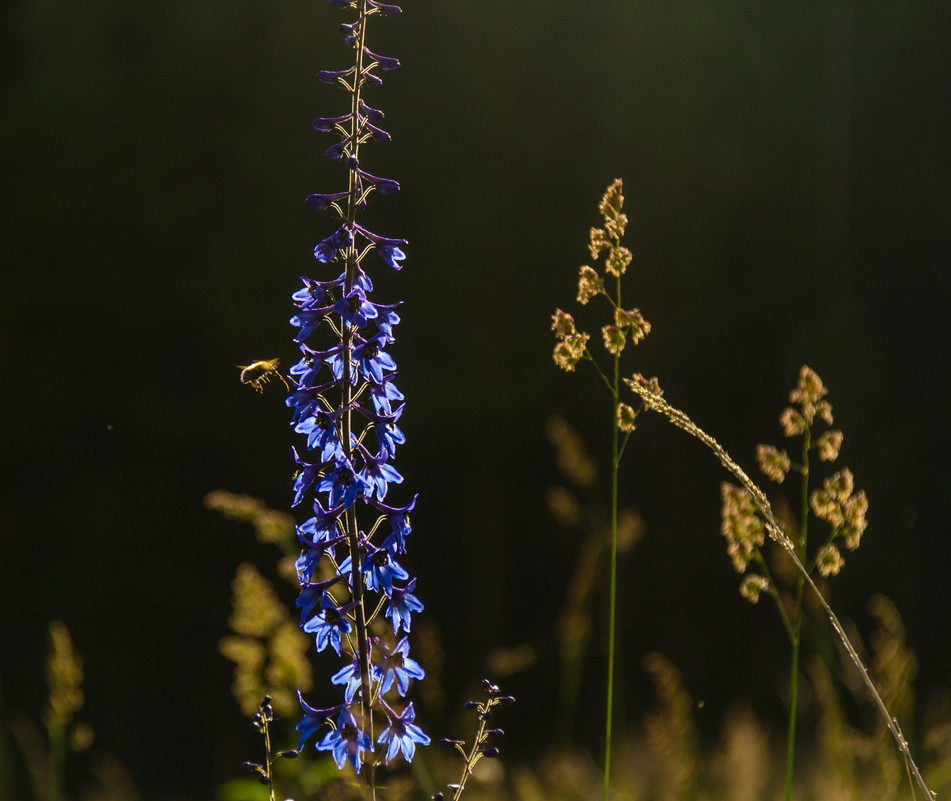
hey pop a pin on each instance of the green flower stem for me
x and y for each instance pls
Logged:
(797, 621)
(363, 643)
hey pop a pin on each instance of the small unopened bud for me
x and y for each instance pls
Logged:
(445, 742)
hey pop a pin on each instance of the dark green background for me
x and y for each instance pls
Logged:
(787, 179)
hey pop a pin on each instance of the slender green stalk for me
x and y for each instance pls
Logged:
(797, 620)
(57, 756)
(612, 583)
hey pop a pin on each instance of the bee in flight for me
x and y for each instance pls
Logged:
(257, 374)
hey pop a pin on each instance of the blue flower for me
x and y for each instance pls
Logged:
(382, 394)
(311, 595)
(308, 367)
(328, 626)
(398, 518)
(322, 527)
(319, 202)
(385, 62)
(398, 668)
(309, 724)
(313, 292)
(380, 569)
(373, 360)
(307, 320)
(355, 308)
(386, 319)
(327, 248)
(377, 475)
(389, 249)
(388, 435)
(304, 478)
(348, 741)
(321, 433)
(349, 675)
(402, 604)
(402, 734)
(343, 484)
(384, 186)
(347, 469)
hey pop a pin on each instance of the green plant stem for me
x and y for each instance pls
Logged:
(797, 620)
(57, 759)
(612, 588)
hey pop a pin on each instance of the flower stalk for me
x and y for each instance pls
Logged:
(347, 406)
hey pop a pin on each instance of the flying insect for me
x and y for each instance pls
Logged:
(257, 374)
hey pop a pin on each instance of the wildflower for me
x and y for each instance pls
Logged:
(309, 724)
(344, 397)
(377, 475)
(322, 527)
(373, 360)
(328, 626)
(355, 309)
(398, 668)
(347, 742)
(321, 432)
(327, 249)
(402, 604)
(380, 569)
(350, 676)
(402, 735)
(398, 519)
(342, 484)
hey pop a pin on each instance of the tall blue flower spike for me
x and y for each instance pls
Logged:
(346, 407)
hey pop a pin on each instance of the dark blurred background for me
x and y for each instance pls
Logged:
(787, 177)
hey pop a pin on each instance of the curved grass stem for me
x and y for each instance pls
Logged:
(678, 418)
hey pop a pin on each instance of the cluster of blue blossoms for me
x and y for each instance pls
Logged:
(346, 405)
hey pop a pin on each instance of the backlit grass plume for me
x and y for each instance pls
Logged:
(835, 504)
(758, 507)
(623, 326)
